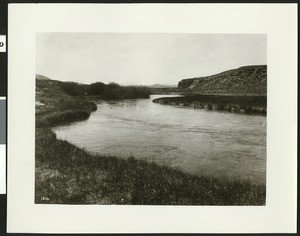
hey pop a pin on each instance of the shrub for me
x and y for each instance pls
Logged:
(96, 88)
(72, 88)
(118, 92)
(113, 85)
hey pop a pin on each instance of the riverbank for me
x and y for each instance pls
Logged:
(239, 104)
(66, 174)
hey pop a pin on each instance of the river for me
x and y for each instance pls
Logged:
(198, 141)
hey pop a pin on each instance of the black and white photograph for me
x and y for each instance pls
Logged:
(150, 119)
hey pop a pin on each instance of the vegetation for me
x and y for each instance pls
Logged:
(118, 92)
(246, 80)
(73, 88)
(56, 106)
(97, 88)
(105, 91)
(66, 174)
(241, 104)
(166, 90)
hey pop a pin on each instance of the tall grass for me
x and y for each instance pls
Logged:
(126, 92)
(240, 104)
(106, 91)
(66, 174)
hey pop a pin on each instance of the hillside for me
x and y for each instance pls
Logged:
(246, 80)
(54, 106)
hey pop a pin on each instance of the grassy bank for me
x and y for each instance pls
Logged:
(239, 104)
(66, 174)
(55, 106)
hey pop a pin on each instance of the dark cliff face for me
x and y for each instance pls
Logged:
(250, 80)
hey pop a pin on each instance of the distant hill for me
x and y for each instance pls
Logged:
(41, 77)
(246, 80)
(161, 86)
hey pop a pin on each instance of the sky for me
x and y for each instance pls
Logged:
(144, 58)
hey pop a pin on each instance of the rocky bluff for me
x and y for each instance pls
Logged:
(246, 80)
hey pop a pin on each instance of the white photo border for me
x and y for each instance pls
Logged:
(278, 21)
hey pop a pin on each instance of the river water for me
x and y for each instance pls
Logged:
(198, 141)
